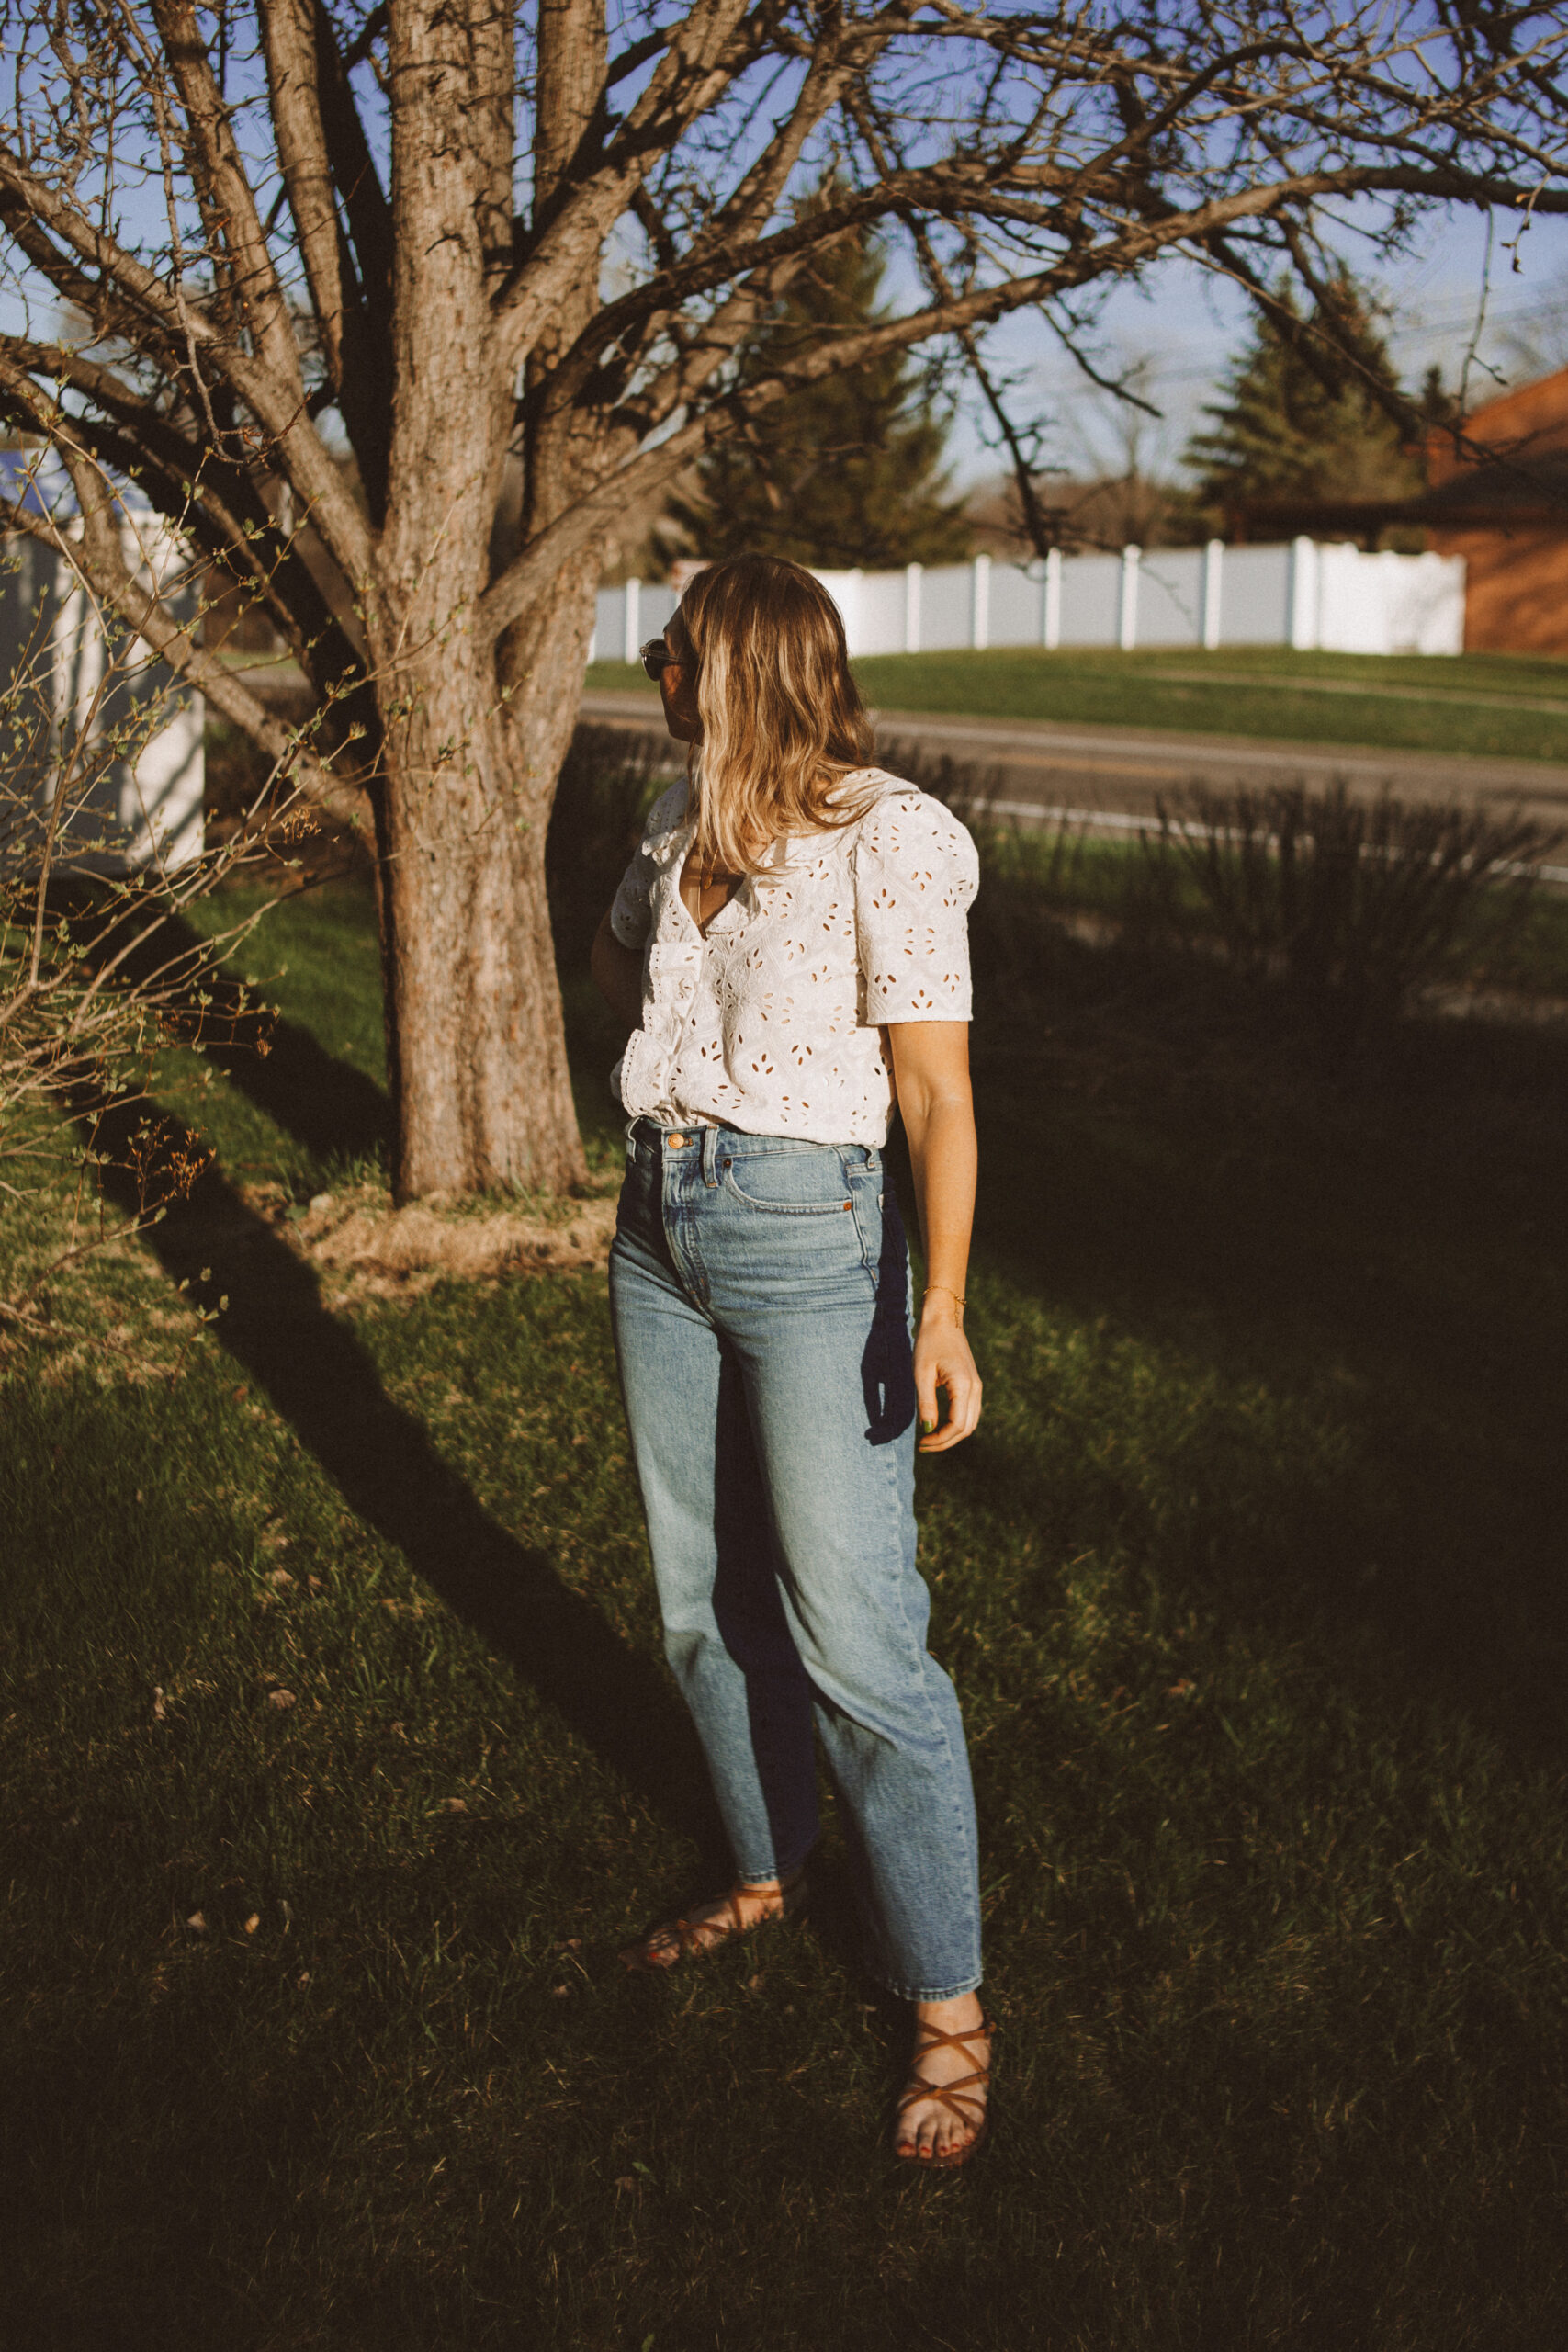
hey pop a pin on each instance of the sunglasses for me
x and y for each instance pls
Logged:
(656, 656)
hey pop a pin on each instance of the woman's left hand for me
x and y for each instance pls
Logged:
(943, 1360)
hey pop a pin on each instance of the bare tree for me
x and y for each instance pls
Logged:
(1120, 456)
(100, 966)
(448, 235)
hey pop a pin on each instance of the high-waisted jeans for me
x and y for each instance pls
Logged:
(760, 1289)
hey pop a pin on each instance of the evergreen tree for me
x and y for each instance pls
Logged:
(1279, 430)
(847, 471)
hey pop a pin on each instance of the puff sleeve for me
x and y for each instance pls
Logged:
(916, 874)
(631, 914)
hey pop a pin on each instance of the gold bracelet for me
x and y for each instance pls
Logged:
(947, 1288)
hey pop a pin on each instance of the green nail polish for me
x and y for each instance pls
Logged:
(927, 1427)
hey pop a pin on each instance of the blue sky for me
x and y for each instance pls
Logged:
(1184, 324)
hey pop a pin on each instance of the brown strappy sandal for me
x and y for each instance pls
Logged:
(690, 1941)
(961, 2096)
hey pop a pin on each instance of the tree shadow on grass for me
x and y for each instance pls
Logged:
(324, 1384)
(327, 1105)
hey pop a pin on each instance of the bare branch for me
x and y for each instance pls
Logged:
(354, 344)
(289, 36)
(215, 167)
(101, 560)
(354, 174)
(143, 296)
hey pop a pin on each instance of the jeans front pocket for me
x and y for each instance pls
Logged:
(795, 1180)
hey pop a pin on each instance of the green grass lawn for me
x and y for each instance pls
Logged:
(1487, 705)
(1252, 1586)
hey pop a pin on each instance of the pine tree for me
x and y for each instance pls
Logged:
(849, 470)
(1281, 432)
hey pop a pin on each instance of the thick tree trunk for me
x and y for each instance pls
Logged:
(483, 1091)
(474, 1013)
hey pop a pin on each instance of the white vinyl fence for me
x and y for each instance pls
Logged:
(144, 812)
(1307, 595)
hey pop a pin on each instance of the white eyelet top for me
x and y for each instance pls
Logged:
(771, 1021)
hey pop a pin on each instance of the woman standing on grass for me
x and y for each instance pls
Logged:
(790, 947)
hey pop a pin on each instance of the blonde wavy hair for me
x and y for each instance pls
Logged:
(783, 723)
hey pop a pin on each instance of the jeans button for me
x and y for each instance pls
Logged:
(676, 1143)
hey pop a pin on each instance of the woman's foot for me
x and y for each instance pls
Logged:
(735, 1914)
(943, 2107)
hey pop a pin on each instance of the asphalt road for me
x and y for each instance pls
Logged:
(1113, 775)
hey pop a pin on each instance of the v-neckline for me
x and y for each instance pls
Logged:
(704, 930)
(716, 921)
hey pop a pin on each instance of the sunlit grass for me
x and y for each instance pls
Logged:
(1387, 702)
(1453, 704)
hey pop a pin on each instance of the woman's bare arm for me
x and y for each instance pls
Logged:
(617, 973)
(930, 1069)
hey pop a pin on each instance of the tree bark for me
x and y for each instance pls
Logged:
(483, 1093)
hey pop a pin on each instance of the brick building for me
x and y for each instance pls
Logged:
(1497, 496)
(1502, 502)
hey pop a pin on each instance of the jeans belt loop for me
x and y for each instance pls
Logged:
(710, 1155)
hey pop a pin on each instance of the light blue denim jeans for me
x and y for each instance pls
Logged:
(759, 1290)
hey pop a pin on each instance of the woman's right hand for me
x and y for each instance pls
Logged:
(942, 1362)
